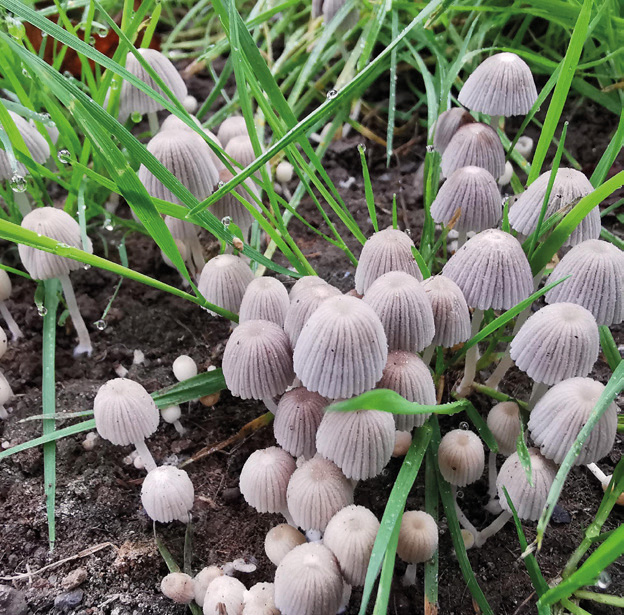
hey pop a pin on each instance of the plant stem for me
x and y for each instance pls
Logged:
(152, 119)
(470, 369)
(602, 598)
(145, 455)
(84, 341)
(428, 354)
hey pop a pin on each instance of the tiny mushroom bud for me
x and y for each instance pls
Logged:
(184, 367)
(224, 596)
(178, 587)
(284, 172)
(202, 580)
(448, 124)
(280, 540)
(231, 127)
(167, 494)
(172, 415)
(524, 146)
(223, 281)
(5, 293)
(418, 541)
(402, 442)
(260, 600)
(265, 299)
(190, 103)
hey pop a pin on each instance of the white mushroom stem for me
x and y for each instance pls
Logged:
(470, 370)
(145, 455)
(84, 341)
(270, 404)
(197, 255)
(598, 473)
(495, 123)
(22, 202)
(409, 578)
(539, 388)
(493, 506)
(179, 427)
(428, 354)
(16, 333)
(461, 517)
(286, 514)
(152, 120)
(493, 528)
(461, 238)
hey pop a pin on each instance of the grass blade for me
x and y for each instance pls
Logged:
(609, 347)
(431, 507)
(368, 188)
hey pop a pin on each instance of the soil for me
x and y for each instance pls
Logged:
(98, 494)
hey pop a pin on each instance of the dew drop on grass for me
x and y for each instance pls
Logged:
(86, 267)
(114, 84)
(226, 221)
(460, 495)
(136, 117)
(92, 40)
(220, 184)
(102, 32)
(361, 148)
(100, 325)
(63, 156)
(464, 425)
(332, 94)
(604, 580)
(25, 72)
(430, 149)
(18, 183)
(15, 28)
(42, 310)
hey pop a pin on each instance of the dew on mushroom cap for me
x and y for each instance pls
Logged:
(5, 293)
(202, 580)
(233, 126)
(178, 587)
(264, 299)
(224, 596)
(260, 600)
(280, 540)
(167, 494)
(418, 541)
(447, 124)
(223, 281)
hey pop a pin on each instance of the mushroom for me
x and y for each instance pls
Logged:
(448, 123)
(202, 580)
(302, 284)
(6, 394)
(280, 540)
(60, 226)
(4, 344)
(241, 149)
(524, 146)
(260, 600)
(171, 415)
(224, 596)
(178, 587)
(264, 299)
(167, 494)
(402, 443)
(418, 541)
(330, 9)
(605, 481)
(186, 236)
(184, 367)
(5, 293)
(233, 126)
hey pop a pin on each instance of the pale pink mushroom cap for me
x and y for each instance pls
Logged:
(233, 126)
(167, 494)
(418, 537)
(223, 281)
(280, 540)
(504, 423)
(460, 457)
(265, 299)
(448, 124)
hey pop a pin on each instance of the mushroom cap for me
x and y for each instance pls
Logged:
(5, 285)
(451, 315)
(264, 299)
(4, 344)
(330, 9)
(223, 281)
(360, 443)
(264, 479)
(449, 122)
(402, 443)
(569, 186)
(308, 581)
(597, 282)
(184, 367)
(503, 421)
(260, 600)
(35, 143)
(280, 540)
(178, 587)
(407, 374)
(257, 362)
(181, 230)
(226, 591)
(475, 191)
(233, 126)
(124, 412)
(460, 457)
(528, 501)
(501, 85)
(404, 310)
(342, 349)
(557, 342)
(316, 492)
(298, 416)
(418, 537)
(167, 494)
(6, 393)
(562, 412)
(387, 250)
(229, 206)
(302, 285)
(491, 270)
(203, 579)
(241, 149)
(350, 536)
(58, 225)
(474, 145)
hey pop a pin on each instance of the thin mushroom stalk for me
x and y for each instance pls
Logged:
(409, 578)
(493, 506)
(461, 517)
(144, 453)
(537, 392)
(470, 369)
(84, 341)
(13, 327)
(493, 528)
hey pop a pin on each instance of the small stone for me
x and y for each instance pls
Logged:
(68, 601)
(12, 601)
(561, 515)
(231, 495)
(74, 579)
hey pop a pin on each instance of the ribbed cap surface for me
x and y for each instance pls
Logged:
(460, 457)
(448, 124)
(264, 299)
(167, 494)
(231, 127)
(303, 284)
(223, 281)
(229, 206)
(35, 143)
(226, 591)
(5, 285)
(260, 600)
(504, 423)
(280, 540)
(241, 149)
(418, 537)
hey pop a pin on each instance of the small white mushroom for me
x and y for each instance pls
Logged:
(178, 587)
(167, 494)
(418, 541)
(5, 293)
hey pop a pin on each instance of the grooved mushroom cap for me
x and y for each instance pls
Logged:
(226, 591)
(474, 145)
(562, 412)
(280, 540)
(58, 225)
(264, 479)
(181, 229)
(501, 85)
(178, 587)
(228, 205)
(504, 423)
(476, 192)
(451, 315)
(342, 349)
(404, 310)
(387, 250)
(597, 282)
(316, 492)
(460, 457)
(569, 186)
(35, 143)
(241, 149)
(360, 443)
(4, 344)
(203, 579)
(418, 537)
(260, 600)
(299, 413)
(264, 299)
(223, 281)
(308, 581)
(350, 536)
(302, 285)
(257, 362)
(449, 122)
(491, 270)
(408, 375)
(231, 127)
(557, 342)
(330, 9)
(5, 285)
(6, 393)
(124, 412)
(167, 494)
(528, 501)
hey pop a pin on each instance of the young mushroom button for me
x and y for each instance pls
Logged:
(280, 540)
(178, 587)
(167, 494)
(224, 596)
(260, 600)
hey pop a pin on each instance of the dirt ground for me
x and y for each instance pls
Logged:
(98, 496)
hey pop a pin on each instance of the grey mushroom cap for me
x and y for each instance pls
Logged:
(167, 494)
(233, 126)
(330, 9)
(528, 500)
(491, 270)
(562, 412)
(475, 191)
(474, 145)
(303, 284)
(264, 299)
(557, 342)
(35, 143)
(281, 540)
(342, 349)
(257, 362)
(260, 600)
(223, 281)
(449, 122)
(387, 250)
(504, 423)
(501, 85)
(418, 537)
(460, 457)
(597, 282)
(241, 149)
(224, 596)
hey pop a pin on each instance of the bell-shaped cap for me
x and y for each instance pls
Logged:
(449, 122)
(360, 443)
(5, 285)
(223, 281)
(350, 536)
(408, 375)
(302, 285)
(35, 143)
(4, 344)
(528, 500)
(264, 479)
(387, 250)
(404, 310)
(475, 191)
(178, 586)
(475, 145)
(224, 596)
(569, 186)
(557, 342)
(460, 457)
(167, 494)
(597, 282)
(501, 85)
(257, 362)
(241, 149)
(203, 579)
(264, 299)
(124, 412)
(316, 492)
(260, 600)
(281, 540)
(58, 225)
(418, 537)
(491, 270)
(228, 206)
(451, 315)
(233, 126)
(342, 349)
(504, 422)
(308, 581)
(563, 411)
(299, 413)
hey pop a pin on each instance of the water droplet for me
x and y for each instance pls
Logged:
(42, 310)
(100, 325)
(464, 425)
(220, 184)
(114, 84)
(92, 40)
(604, 580)
(15, 28)
(460, 495)
(102, 31)
(136, 117)
(86, 267)
(109, 226)
(408, 232)
(62, 246)
(67, 75)
(25, 72)
(226, 221)
(18, 183)
(63, 156)
(44, 35)
(361, 148)
(332, 94)
(430, 149)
